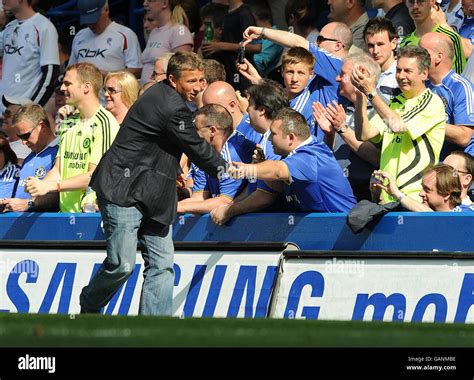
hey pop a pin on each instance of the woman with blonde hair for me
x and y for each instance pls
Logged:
(171, 35)
(121, 90)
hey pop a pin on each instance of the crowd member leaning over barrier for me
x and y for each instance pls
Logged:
(441, 190)
(32, 126)
(121, 89)
(214, 124)
(84, 138)
(308, 175)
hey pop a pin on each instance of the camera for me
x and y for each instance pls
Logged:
(241, 55)
(381, 180)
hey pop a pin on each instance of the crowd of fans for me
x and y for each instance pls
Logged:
(337, 108)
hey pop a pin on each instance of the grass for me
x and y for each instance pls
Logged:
(41, 330)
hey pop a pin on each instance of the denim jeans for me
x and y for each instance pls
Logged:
(124, 227)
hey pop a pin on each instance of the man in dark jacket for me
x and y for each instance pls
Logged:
(136, 187)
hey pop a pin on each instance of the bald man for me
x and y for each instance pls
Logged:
(223, 93)
(456, 92)
(353, 14)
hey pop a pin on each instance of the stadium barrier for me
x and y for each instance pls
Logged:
(407, 267)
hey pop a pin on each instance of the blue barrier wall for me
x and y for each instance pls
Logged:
(394, 232)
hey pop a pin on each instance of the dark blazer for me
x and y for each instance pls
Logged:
(141, 166)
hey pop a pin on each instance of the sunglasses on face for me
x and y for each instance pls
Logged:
(320, 39)
(112, 90)
(7, 114)
(26, 136)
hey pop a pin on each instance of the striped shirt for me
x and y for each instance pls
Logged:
(27, 46)
(457, 94)
(459, 59)
(406, 155)
(302, 103)
(8, 178)
(83, 142)
(237, 148)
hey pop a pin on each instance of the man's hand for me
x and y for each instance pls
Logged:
(249, 71)
(243, 101)
(181, 181)
(36, 187)
(239, 170)
(364, 80)
(322, 117)
(438, 16)
(384, 181)
(258, 155)
(15, 204)
(337, 115)
(250, 34)
(211, 48)
(220, 215)
(66, 111)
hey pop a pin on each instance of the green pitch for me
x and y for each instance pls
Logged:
(31, 330)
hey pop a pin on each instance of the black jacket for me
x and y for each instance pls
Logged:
(141, 166)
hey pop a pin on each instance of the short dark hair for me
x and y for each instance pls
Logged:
(183, 60)
(293, 122)
(268, 95)
(262, 12)
(421, 54)
(216, 12)
(217, 116)
(300, 13)
(214, 71)
(379, 25)
(10, 155)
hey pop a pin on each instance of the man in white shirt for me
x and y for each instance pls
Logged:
(381, 39)
(104, 43)
(29, 46)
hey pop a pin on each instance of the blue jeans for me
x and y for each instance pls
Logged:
(124, 227)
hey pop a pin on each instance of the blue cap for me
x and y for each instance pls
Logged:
(90, 10)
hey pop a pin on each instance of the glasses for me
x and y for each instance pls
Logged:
(7, 114)
(26, 136)
(460, 171)
(321, 39)
(112, 90)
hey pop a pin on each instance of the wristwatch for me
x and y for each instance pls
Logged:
(342, 129)
(370, 96)
(31, 204)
